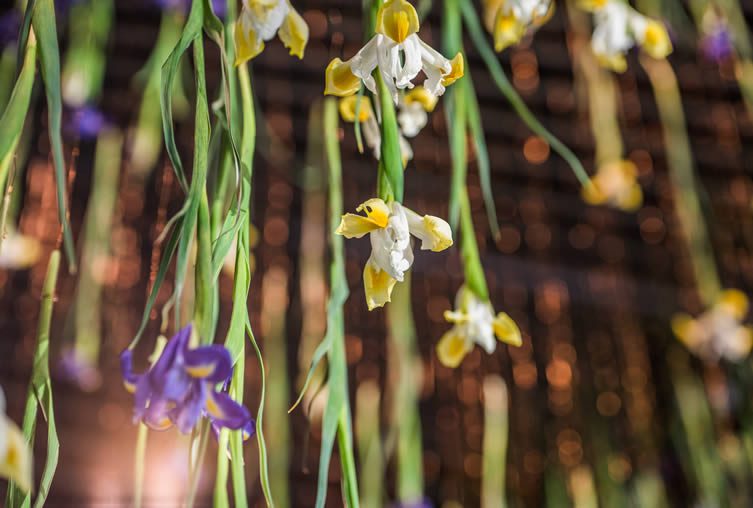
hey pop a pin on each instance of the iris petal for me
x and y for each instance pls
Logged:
(225, 412)
(210, 363)
(130, 379)
(186, 414)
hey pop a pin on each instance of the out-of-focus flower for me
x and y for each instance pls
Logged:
(73, 368)
(399, 54)
(718, 332)
(389, 226)
(86, 122)
(260, 20)
(615, 184)
(419, 503)
(415, 106)
(618, 28)
(509, 20)
(18, 251)
(10, 24)
(474, 323)
(716, 42)
(15, 454)
(370, 126)
(179, 387)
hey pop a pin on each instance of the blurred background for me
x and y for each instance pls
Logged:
(606, 406)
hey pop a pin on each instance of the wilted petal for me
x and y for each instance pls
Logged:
(377, 285)
(294, 33)
(435, 233)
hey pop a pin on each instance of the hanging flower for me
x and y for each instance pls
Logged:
(415, 106)
(260, 20)
(86, 122)
(399, 54)
(179, 387)
(75, 368)
(370, 127)
(618, 28)
(389, 226)
(718, 332)
(615, 184)
(509, 20)
(15, 454)
(474, 323)
(716, 42)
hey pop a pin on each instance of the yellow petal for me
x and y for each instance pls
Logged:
(377, 285)
(247, 45)
(456, 72)
(422, 96)
(15, 464)
(348, 108)
(683, 326)
(454, 316)
(452, 348)
(537, 21)
(439, 232)
(508, 30)
(339, 80)
(491, 8)
(355, 226)
(617, 62)
(397, 19)
(656, 40)
(735, 301)
(376, 210)
(591, 193)
(294, 33)
(507, 330)
(631, 200)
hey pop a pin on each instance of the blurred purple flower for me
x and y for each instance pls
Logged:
(219, 6)
(179, 388)
(74, 369)
(717, 45)
(86, 122)
(63, 6)
(10, 24)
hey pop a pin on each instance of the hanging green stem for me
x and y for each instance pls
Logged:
(681, 171)
(39, 396)
(500, 79)
(494, 467)
(474, 272)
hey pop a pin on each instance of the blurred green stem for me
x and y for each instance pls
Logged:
(496, 424)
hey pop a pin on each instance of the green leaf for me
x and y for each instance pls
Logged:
(391, 160)
(500, 79)
(476, 127)
(43, 21)
(40, 394)
(455, 113)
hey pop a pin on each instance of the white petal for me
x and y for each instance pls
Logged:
(365, 61)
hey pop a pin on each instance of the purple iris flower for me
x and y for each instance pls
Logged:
(179, 388)
(86, 122)
(717, 44)
(219, 6)
(75, 369)
(10, 24)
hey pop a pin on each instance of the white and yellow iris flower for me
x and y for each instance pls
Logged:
(718, 332)
(474, 323)
(399, 54)
(370, 127)
(260, 20)
(509, 20)
(15, 454)
(414, 108)
(618, 28)
(615, 184)
(19, 251)
(390, 226)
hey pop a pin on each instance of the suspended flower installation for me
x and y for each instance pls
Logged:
(390, 226)
(719, 332)
(510, 20)
(179, 387)
(261, 20)
(474, 323)
(619, 28)
(399, 54)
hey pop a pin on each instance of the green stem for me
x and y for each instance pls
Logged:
(139, 465)
(474, 272)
